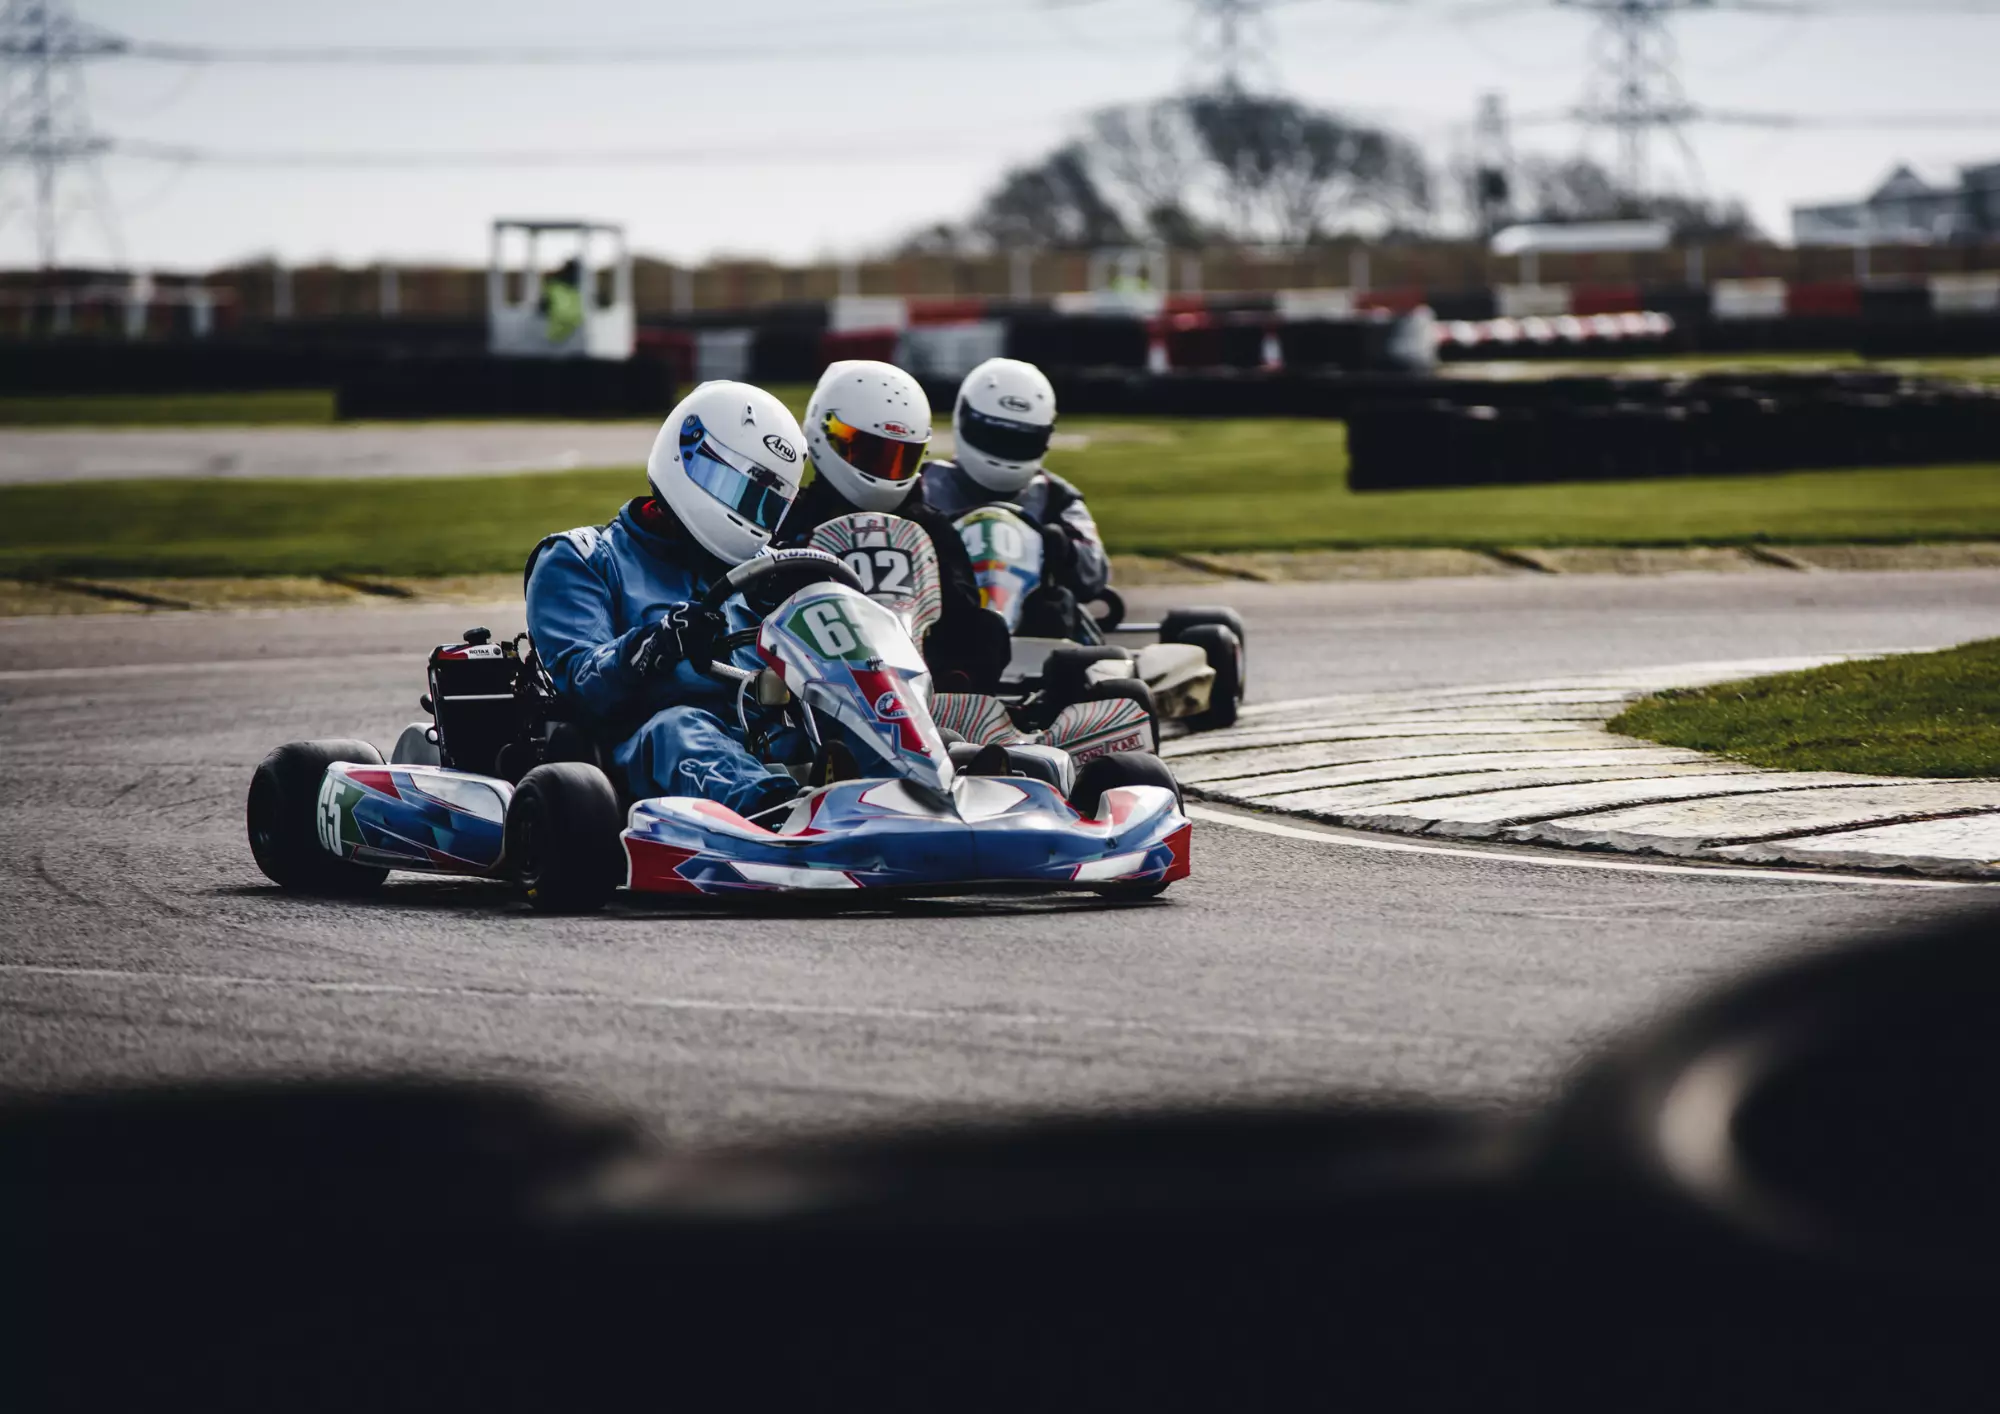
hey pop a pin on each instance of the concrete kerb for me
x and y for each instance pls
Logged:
(1531, 763)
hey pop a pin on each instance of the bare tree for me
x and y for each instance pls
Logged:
(1196, 170)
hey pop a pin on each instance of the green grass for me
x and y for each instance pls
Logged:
(1919, 714)
(1156, 487)
(293, 407)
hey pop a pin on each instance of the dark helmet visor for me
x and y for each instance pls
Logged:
(1002, 438)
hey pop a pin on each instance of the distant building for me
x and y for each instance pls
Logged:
(1909, 209)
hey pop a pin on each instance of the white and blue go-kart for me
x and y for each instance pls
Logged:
(1193, 671)
(919, 814)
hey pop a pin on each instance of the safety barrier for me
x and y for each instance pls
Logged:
(1598, 430)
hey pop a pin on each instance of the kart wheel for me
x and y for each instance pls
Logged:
(1175, 623)
(1225, 655)
(562, 843)
(1065, 673)
(1126, 768)
(283, 820)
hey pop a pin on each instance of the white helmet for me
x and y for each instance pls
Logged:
(867, 428)
(727, 462)
(1005, 415)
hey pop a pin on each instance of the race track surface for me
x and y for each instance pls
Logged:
(141, 942)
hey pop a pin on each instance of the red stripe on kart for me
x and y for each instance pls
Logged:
(715, 810)
(655, 867)
(377, 781)
(1181, 843)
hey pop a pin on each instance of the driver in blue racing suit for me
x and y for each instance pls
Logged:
(616, 615)
(1002, 423)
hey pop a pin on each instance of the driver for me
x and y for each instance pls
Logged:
(1002, 423)
(615, 611)
(867, 427)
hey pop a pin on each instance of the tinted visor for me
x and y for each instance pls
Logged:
(872, 454)
(756, 493)
(1002, 438)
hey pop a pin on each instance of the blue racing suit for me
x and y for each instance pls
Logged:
(594, 595)
(1047, 500)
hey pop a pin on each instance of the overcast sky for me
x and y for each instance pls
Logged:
(827, 129)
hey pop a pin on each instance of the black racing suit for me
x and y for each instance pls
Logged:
(1076, 566)
(967, 647)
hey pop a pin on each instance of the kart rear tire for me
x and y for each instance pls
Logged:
(1175, 623)
(562, 840)
(282, 816)
(1225, 655)
(1064, 674)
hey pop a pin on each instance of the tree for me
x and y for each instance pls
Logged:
(1579, 189)
(1206, 168)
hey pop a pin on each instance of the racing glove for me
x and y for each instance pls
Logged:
(686, 633)
(1058, 556)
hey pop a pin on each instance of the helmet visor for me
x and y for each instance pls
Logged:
(756, 493)
(1002, 438)
(872, 454)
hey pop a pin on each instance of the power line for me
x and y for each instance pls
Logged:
(43, 121)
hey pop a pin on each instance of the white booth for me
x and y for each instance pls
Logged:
(559, 289)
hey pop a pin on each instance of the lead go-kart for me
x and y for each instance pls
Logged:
(500, 785)
(1193, 673)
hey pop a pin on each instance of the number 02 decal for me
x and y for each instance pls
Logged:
(885, 572)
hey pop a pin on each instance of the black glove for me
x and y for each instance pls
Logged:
(686, 633)
(1058, 556)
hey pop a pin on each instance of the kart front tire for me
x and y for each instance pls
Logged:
(1224, 651)
(1122, 768)
(283, 819)
(1126, 768)
(562, 840)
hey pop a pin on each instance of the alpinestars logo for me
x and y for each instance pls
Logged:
(704, 774)
(749, 416)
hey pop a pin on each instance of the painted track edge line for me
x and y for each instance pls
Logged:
(1261, 825)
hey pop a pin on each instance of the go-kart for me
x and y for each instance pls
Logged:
(500, 785)
(1193, 672)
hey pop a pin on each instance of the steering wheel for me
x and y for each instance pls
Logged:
(767, 580)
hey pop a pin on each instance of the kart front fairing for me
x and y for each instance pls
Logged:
(985, 832)
(851, 662)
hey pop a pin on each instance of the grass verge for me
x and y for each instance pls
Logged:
(1918, 714)
(296, 407)
(1156, 487)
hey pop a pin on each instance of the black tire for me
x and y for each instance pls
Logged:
(1130, 690)
(1175, 624)
(1127, 768)
(1225, 655)
(282, 815)
(1063, 680)
(562, 844)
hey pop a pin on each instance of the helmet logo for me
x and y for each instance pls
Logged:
(897, 429)
(749, 415)
(779, 446)
(1014, 404)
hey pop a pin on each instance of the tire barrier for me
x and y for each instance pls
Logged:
(1605, 430)
(506, 387)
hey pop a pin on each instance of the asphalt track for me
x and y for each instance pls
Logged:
(141, 942)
